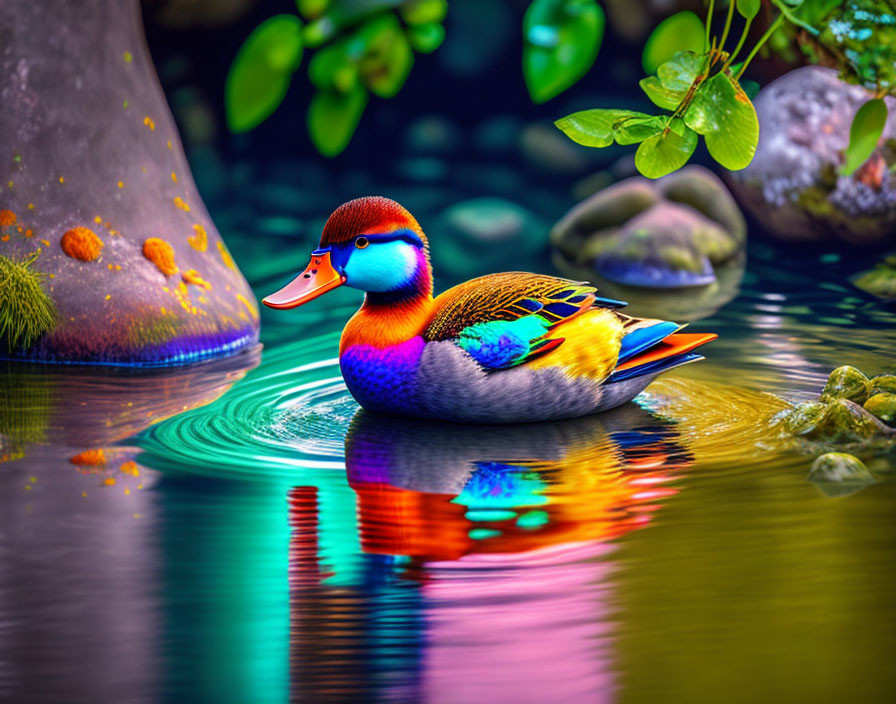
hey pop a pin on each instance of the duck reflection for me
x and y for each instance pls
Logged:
(486, 574)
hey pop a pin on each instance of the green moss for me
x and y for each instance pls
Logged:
(26, 310)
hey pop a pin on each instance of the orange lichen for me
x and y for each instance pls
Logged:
(109, 481)
(7, 218)
(29, 233)
(121, 184)
(179, 202)
(128, 57)
(89, 458)
(149, 122)
(130, 467)
(81, 243)
(61, 179)
(4, 238)
(199, 241)
(192, 277)
(225, 256)
(160, 253)
(174, 177)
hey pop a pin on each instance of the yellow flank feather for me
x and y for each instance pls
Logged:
(590, 348)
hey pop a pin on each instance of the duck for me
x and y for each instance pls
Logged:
(502, 348)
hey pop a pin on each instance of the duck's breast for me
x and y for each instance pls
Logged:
(383, 378)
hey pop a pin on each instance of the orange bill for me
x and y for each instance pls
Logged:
(677, 343)
(318, 278)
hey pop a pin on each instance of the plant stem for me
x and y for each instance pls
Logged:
(709, 22)
(769, 32)
(740, 44)
(728, 19)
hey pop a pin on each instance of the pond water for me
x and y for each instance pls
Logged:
(268, 542)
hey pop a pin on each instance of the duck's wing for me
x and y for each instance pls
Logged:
(503, 320)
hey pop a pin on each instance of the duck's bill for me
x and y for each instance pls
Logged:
(318, 278)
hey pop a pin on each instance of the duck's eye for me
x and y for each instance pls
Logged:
(362, 242)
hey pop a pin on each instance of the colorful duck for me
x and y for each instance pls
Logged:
(501, 348)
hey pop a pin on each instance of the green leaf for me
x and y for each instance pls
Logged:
(423, 11)
(683, 31)
(333, 68)
(261, 72)
(387, 59)
(678, 73)
(864, 134)
(562, 38)
(660, 95)
(808, 14)
(596, 128)
(724, 115)
(748, 9)
(333, 119)
(667, 151)
(635, 129)
(312, 9)
(426, 38)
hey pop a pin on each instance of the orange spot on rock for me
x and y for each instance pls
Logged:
(160, 253)
(174, 177)
(199, 241)
(61, 179)
(4, 238)
(121, 184)
(179, 202)
(130, 467)
(7, 218)
(192, 277)
(89, 458)
(29, 233)
(109, 481)
(81, 243)
(225, 256)
(149, 122)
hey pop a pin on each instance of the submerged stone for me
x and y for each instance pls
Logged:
(671, 233)
(883, 406)
(879, 281)
(885, 383)
(803, 418)
(839, 474)
(93, 169)
(846, 382)
(844, 421)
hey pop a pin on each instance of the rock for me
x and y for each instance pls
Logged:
(803, 418)
(670, 233)
(793, 186)
(844, 421)
(846, 382)
(98, 211)
(885, 383)
(839, 474)
(879, 281)
(883, 406)
(432, 135)
(474, 237)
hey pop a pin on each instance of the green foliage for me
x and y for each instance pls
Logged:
(864, 133)
(699, 87)
(561, 41)
(667, 151)
(333, 118)
(261, 72)
(361, 47)
(683, 31)
(724, 115)
(26, 310)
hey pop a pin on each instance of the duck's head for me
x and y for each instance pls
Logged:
(372, 244)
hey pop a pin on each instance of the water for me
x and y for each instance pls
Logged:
(276, 544)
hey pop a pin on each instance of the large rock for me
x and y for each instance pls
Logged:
(793, 185)
(109, 253)
(638, 238)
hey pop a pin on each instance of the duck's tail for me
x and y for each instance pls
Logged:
(654, 346)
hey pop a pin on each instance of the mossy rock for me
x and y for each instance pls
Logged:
(879, 281)
(844, 421)
(839, 474)
(883, 384)
(26, 310)
(846, 382)
(882, 406)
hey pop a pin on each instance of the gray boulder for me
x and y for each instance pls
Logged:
(793, 185)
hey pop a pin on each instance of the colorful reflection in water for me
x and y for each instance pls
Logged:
(275, 544)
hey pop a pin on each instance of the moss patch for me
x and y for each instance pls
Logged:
(26, 310)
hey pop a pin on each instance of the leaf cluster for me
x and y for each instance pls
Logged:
(360, 47)
(700, 89)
